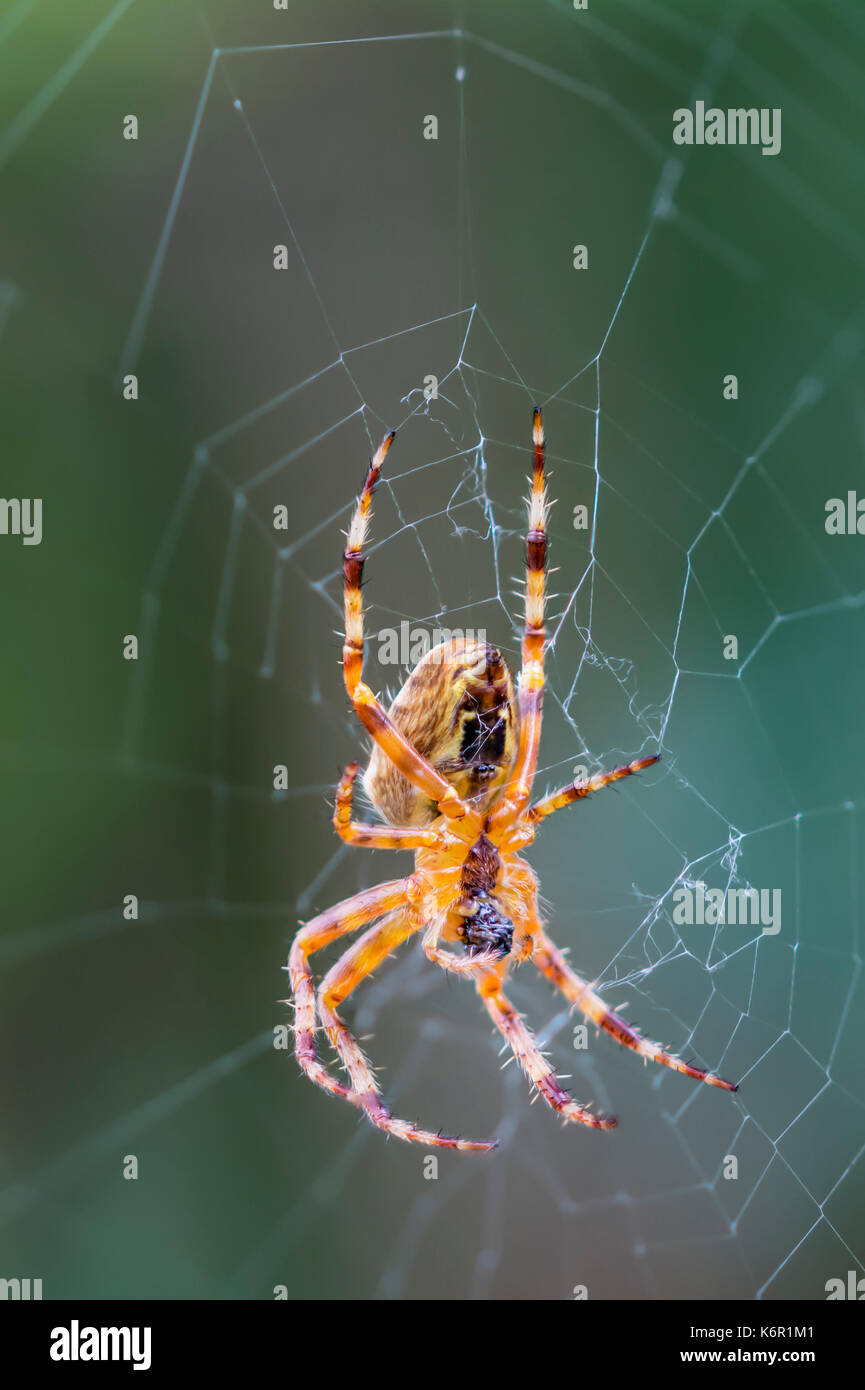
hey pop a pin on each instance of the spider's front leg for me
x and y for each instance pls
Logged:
(447, 924)
(524, 1046)
(393, 899)
(551, 962)
(338, 921)
(358, 962)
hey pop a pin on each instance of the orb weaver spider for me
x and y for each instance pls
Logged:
(451, 770)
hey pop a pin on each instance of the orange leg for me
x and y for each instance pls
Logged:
(577, 790)
(529, 1056)
(377, 836)
(458, 965)
(550, 961)
(352, 967)
(393, 744)
(531, 679)
(321, 931)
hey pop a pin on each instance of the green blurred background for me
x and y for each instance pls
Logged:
(261, 387)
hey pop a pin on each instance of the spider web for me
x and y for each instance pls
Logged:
(452, 258)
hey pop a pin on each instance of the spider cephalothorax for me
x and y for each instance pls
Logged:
(482, 905)
(451, 770)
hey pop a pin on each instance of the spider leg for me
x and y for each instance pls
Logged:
(328, 926)
(531, 678)
(359, 961)
(377, 836)
(550, 961)
(523, 1044)
(458, 965)
(577, 790)
(375, 720)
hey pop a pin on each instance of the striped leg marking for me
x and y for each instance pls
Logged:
(531, 678)
(550, 961)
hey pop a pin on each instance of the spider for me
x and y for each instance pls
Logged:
(451, 770)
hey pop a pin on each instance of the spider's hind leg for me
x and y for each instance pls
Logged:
(377, 836)
(531, 677)
(550, 961)
(395, 746)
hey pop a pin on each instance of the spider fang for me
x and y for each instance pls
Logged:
(486, 929)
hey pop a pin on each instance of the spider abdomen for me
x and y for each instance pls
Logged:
(458, 709)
